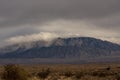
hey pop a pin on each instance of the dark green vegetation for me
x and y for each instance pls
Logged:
(61, 72)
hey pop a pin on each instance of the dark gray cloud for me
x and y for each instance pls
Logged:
(21, 17)
(20, 12)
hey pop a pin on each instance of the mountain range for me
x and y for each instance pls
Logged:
(84, 48)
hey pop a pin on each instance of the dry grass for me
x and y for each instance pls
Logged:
(73, 72)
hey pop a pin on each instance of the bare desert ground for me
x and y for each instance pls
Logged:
(102, 71)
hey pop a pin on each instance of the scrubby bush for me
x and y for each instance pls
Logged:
(108, 68)
(78, 75)
(14, 72)
(100, 73)
(68, 74)
(117, 76)
(44, 73)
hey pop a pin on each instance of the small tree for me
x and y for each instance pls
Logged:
(14, 72)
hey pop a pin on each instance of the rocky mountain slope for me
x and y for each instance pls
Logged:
(76, 47)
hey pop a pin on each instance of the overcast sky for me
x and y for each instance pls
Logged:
(93, 18)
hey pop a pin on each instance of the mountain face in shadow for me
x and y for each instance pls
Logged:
(76, 47)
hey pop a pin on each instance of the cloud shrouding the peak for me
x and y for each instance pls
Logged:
(49, 37)
(42, 36)
(33, 37)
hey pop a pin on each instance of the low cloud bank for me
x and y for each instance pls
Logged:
(49, 36)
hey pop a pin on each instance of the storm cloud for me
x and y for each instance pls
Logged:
(94, 18)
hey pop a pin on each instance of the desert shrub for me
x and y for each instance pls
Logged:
(44, 73)
(14, 72)
(100, 73)
(54, 76)
(117, 76)
(108, 68)
(78, 75)
(68, 74)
